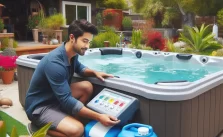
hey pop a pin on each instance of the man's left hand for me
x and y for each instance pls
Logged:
(102, 75)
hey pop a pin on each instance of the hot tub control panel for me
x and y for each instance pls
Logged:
(114, 103)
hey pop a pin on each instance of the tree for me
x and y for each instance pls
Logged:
(170, 9)
(115, 4)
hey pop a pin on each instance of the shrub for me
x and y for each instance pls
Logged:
(114, 4)
(99, 19)
(109, 35)
(5, 43)
(199, 39)
(40, 133)
(170, 46)
(127, 22)
(136, 37)
(219, 52)
(33, 21)
(155, 40)
(1, 25)
(147, 28)
(220, 17)
(9, 52)
(55, 21)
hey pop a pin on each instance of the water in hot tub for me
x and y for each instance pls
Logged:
(148, 70)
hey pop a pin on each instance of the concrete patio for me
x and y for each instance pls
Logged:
(16, 111)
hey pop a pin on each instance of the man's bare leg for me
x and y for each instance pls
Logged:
(82, 91)
(70, 127)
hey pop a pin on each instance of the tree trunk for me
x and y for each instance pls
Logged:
(188, 19)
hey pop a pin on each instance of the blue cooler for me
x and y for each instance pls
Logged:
(96, 129)
(137, 130)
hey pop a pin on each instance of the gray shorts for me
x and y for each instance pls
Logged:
(46, 114)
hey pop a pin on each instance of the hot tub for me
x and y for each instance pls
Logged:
(175, 108)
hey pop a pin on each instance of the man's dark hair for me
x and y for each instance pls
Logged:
(79, 27)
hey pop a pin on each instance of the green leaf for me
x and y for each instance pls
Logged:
(14, 133)
(2, 129)
(43, 131)
(200, 40)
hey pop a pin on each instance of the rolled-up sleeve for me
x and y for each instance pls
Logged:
(79, 68)
(56, 75)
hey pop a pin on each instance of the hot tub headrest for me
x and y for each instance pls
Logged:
(107, 51)
(184, 56)
(37, 57)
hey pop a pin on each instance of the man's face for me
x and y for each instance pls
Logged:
(82, 43)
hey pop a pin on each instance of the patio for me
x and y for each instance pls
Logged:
(16, 111)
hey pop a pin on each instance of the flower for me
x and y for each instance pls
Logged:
(7, 63)
(33, 21)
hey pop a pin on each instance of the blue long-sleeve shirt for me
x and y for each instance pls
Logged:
(50, 83)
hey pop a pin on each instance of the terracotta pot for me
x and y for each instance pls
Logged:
(106, 43)
(7, 76)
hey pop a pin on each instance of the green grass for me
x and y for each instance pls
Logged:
(10, 122)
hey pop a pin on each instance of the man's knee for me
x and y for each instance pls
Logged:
(88, 87)
(76, 131)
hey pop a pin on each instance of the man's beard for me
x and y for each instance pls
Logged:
(81, 51)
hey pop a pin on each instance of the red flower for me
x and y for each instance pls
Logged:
(8, 62)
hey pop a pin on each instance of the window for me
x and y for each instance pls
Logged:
(75, 10)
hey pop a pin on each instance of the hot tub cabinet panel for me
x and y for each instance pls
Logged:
(24, 77)
(201, 116)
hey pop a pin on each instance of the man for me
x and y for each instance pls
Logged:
(50, 96)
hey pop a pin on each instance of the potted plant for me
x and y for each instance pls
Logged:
(54, 22)
(33, 22)
(8, 66)
(127, 24)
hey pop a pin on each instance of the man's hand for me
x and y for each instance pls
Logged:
(107, 120)
(102, 75)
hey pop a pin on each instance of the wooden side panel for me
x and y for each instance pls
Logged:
(173, 115)
(201, 116)
(194, 117)
(221, 109)
(157, 117)
(207, 104)
(212, 114)
(217, 110)
(24, 77)
(186, 118)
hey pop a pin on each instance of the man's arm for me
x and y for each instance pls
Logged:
(84, 71)
(100, 75)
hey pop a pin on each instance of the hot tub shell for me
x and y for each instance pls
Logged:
(189, 110)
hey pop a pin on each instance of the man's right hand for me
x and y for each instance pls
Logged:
(104, 119)
(107, 120)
